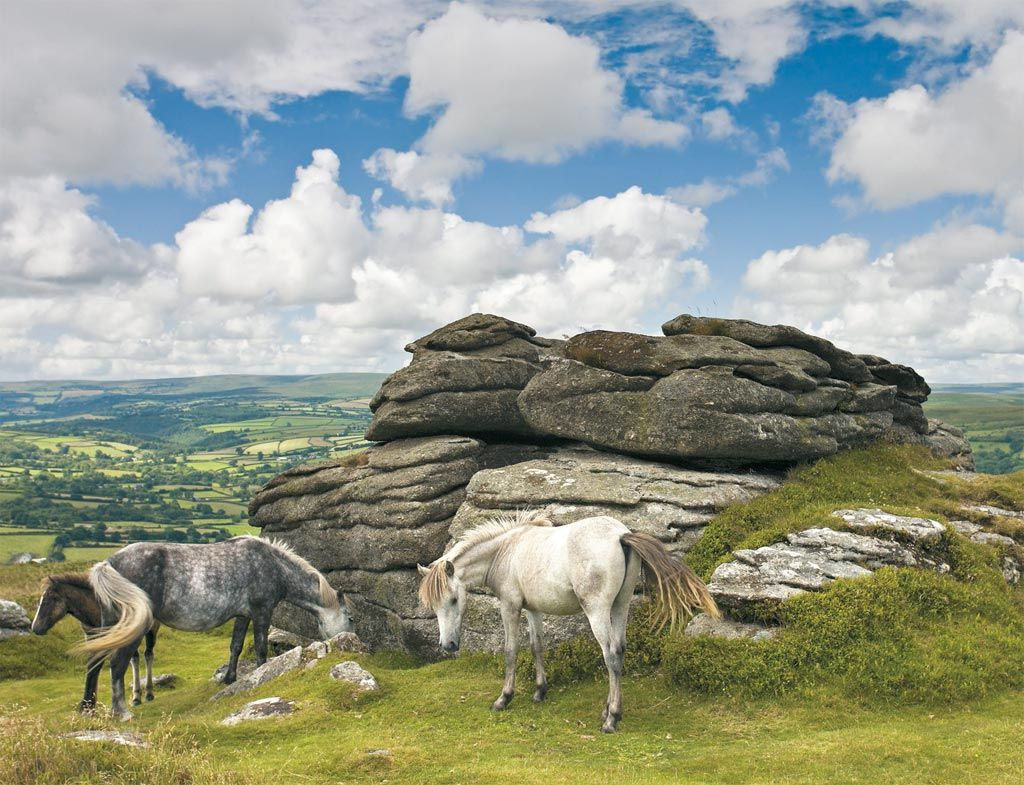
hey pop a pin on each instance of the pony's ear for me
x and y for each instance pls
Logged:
(449, 569)
(422, 570)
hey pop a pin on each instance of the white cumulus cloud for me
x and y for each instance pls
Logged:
(949, 302)
(916, 144)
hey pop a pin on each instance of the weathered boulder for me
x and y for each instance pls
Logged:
(355, 674)
(812, 558)
(122, 738)
(667, 501)
(13, 620)
(261, 709)
(271, 669)
(464, 378)
(702, 624)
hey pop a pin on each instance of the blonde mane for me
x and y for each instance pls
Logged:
(328, 596)
(435, 584)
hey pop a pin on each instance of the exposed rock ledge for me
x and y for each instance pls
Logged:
(660, 431)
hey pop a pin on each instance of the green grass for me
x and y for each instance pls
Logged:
(435, 723)
(37, 544)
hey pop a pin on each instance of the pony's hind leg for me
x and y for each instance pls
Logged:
(118, 665)
(150, 644)
(136, 684)
(613, 648)
(537, 644)
(237, 642)
(510, 618)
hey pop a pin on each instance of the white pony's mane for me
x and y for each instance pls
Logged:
(495, 527)
(328, 595)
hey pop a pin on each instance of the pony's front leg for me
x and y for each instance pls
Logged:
(237, 642)
(537, 644)
(150, 644)
(510, 618)
(260, 633)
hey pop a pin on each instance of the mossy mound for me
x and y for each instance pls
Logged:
(902, 636)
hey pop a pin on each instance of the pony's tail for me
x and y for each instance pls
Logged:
(679, 590)
(113, 590)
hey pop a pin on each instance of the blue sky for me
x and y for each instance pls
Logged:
(304, 187)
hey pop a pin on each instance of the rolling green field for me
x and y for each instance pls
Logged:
(992, 416)
(98, 465)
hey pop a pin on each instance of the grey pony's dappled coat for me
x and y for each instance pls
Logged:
(199, 587)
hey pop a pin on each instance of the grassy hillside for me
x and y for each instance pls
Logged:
(904, 677)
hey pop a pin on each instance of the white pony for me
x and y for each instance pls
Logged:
(591, 565)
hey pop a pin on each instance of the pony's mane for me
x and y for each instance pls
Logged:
(495, 527)
(435, 584)
(80, 580)
(328, 596)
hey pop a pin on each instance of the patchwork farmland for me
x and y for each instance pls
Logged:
(87, 467)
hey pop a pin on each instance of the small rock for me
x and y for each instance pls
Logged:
(243, 669)
(315, 650)
(279, 641)
(13, 617)
(351, 672)
(1013, 570)
(271, 669)
(166, 681)
(702, 624)
(987, 509)
(124, 738)
(918, 529)
(346, 642)
(260, 710)
(974, 532)
(6, 633)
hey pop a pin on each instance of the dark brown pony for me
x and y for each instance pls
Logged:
(71, 593)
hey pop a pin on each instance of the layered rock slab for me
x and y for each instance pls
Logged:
(809, 560)
(709, 390)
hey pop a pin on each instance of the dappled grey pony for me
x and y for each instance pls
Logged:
(591, 565)
(199, 587)
(70, 593)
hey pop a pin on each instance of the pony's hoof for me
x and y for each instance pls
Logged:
(539, 695)
(149, 697)
(88, 709)
(503, 700)
(124, 716)
(136, 701)
(610, 727)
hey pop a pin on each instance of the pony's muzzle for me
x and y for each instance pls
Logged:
(450, 647)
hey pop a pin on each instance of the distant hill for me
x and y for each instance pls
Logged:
(306, 387)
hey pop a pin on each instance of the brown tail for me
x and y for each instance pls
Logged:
(679, 590)
(135, 608)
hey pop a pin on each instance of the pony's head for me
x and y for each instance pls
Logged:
(52, 608)
(334, 616)
(443, 592)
